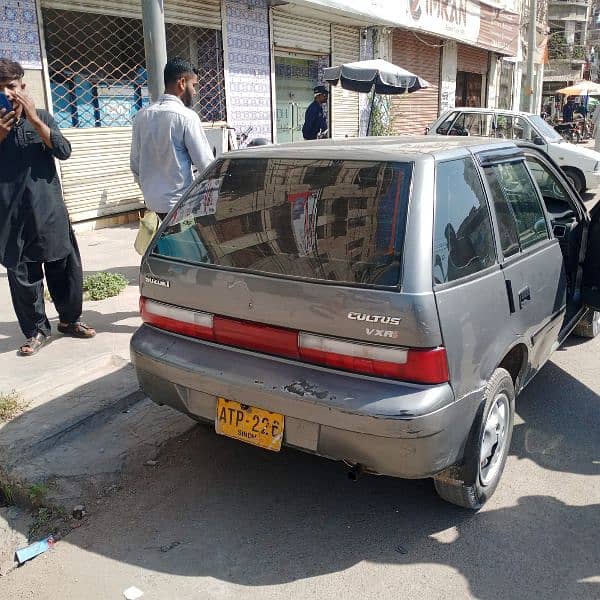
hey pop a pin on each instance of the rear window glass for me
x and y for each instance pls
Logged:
(331, 220)
(464, 243)
(445, 126)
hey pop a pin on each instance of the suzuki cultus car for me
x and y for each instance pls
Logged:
(375, 301)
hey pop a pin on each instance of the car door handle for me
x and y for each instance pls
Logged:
(524, 296)
(509, 293)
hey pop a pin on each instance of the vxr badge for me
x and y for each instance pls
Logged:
(382, 333)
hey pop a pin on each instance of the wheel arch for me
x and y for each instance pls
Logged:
(579, 173)
(515, 361)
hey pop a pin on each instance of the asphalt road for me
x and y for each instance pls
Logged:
(220, 519)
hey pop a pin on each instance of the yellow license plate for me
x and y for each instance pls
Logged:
(249, 424)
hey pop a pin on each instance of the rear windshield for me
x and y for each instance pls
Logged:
(329, 220)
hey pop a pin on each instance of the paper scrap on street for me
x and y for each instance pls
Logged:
(35, 549)
(133, 593)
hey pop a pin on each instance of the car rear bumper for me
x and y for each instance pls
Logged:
(391, 428)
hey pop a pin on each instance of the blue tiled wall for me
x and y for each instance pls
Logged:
(19, 37)
(249, 78)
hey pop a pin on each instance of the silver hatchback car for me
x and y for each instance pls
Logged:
(376, 301)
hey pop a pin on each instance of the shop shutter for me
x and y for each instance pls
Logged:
(206, 13)
(298, 33)
(421, 54)
(96, 179)
(345, 48)
(472, 60)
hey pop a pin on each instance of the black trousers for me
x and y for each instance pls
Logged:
(65, 283)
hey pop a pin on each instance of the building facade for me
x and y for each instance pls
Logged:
(258, 61)
(567, 52)
(593, 40)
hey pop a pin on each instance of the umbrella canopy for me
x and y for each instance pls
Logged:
(384, 76)
(583, 88)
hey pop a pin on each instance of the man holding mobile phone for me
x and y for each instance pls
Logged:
(36, 237)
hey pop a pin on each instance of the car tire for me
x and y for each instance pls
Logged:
(575, 178)
(471, 483)
(589, 326)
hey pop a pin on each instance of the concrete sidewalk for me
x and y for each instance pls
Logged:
(86, 421)
(115, 318)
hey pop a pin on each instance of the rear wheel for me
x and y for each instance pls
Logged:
(589, 326)
(473, 482)
(575, 178)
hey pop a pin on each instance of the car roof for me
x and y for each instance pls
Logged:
(490, 110)
(393, 148)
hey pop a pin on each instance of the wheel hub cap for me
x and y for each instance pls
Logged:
(493, 439)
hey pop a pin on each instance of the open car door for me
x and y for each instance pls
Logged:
(578, 233)
(591, 265)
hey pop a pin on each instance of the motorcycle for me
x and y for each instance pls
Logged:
(243, 142)
(585, 128)
(569, 131)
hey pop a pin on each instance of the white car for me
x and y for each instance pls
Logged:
(580, 165)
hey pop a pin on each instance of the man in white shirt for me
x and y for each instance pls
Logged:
(168, 139)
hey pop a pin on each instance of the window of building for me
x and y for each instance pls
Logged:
(97, 67)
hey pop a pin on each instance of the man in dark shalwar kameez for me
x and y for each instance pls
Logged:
(35, 234)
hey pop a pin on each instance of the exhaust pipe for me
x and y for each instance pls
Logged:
(356, 472)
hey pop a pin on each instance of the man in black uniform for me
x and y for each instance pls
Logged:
(315, 122)
(568, 110)
(35, 233)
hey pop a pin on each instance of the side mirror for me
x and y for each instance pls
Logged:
(427, 130)
(538, 141)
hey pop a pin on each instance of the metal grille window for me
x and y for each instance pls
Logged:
(204, 49)
(97, 67)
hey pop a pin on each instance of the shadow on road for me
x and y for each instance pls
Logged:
(561, 429)
(215, 507)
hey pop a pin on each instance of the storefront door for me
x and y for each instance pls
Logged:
(468, 89)
(295, 79)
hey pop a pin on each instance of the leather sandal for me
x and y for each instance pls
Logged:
(33, 344)
(77, 329)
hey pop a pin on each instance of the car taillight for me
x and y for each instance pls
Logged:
(178, 320)
(256, 336)
(407, 364)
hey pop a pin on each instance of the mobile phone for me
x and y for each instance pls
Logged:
(5, 103)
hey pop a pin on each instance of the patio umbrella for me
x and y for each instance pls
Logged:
(364, 75)
(376, 76)
(583, 88)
